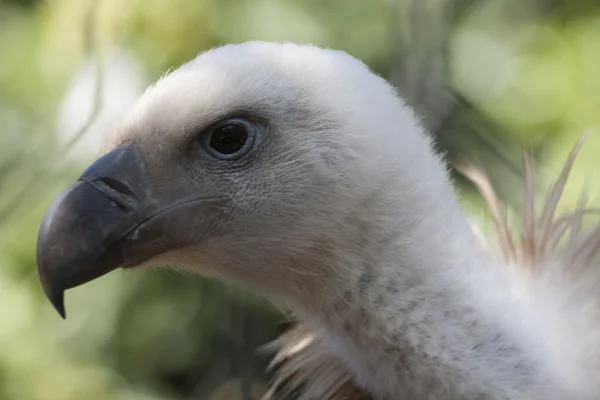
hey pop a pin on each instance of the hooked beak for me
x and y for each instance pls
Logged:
(110, 218)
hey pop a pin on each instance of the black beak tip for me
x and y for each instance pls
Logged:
(57, 300)
(52, 286)
(54, 293)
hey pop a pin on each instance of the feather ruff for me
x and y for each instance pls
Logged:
(303, 367)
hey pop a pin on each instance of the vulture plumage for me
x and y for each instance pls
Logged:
(298, 173)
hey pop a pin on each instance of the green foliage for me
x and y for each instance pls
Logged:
(505, 72)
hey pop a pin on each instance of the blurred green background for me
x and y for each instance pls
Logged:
(488, 77)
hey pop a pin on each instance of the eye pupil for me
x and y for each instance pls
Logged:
(229, 139)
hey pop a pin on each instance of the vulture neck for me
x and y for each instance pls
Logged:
(412, 305)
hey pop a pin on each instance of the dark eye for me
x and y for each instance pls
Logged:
(229, 139)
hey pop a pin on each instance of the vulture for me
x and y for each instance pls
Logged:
(298, 173)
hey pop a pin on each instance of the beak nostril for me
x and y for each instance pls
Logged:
(119, 192)
(117, 186)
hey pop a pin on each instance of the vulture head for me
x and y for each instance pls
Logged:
(255, 163)
(300, 174)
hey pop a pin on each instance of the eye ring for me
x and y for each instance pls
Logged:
(229, 139)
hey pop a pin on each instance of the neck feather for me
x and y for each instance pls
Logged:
(412, 305)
